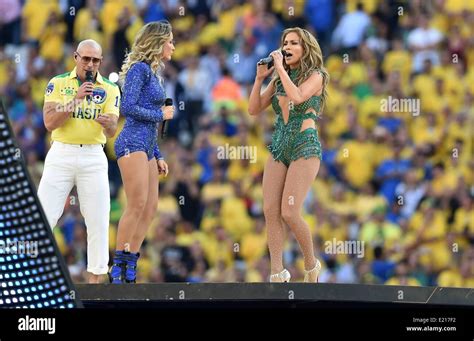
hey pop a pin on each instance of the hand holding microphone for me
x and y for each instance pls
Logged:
(86, 88)
(266, 66)
(263, 72)
(89, 79)
(270, 60)
(168, 112)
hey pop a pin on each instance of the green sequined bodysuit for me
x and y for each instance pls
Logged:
(288, 143)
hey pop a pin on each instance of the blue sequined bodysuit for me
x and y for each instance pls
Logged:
(288, 142)
(142, 99)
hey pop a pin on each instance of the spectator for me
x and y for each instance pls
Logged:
(242, 63)
(320, 14)
(351, 29)
(197, 85)
(402, 276)
(52, 38)
(423, 41)
(409, 192)
(391, 172)
(10, 22)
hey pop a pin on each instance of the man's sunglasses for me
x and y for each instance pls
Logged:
(87, 60)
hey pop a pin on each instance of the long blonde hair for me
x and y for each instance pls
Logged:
(148, 47)
(312, 60)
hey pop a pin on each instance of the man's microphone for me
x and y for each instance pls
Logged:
(89, 78)
(269, 60)
(164, 126)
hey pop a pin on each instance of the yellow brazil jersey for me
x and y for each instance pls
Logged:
(35, 14)
(81, 127)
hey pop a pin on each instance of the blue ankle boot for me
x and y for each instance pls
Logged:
(131, 260)
(117, 271)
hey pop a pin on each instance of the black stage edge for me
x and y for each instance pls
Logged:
(229, 294)
(256, 311)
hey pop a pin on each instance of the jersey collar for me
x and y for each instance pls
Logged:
(99, 78)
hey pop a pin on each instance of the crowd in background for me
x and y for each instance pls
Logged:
(398, 179)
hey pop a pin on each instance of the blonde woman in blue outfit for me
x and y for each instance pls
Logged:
(297, 93)
(138, 155)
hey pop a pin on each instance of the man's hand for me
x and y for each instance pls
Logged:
(84, 90)
(162, 167)
(109, 123)
(106, 121)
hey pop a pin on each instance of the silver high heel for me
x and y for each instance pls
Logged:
(313, 272)
(283, 276)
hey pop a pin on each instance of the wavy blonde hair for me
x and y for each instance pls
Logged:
(148, 47)
(311, 60)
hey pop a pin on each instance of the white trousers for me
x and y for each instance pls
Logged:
(86, 167)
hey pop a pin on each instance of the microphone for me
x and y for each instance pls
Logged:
(164, 126)
(269, 60)
(89, 78)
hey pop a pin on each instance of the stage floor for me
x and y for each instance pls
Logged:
(357, 294)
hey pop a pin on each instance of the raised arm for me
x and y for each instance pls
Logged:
(132, 91)
(259, 101)
(297, 94)
(55, 111)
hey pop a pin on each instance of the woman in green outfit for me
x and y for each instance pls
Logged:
(297, 93)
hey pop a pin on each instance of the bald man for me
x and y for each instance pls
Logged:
(80, 115)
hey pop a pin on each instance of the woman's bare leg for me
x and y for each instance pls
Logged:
(135, 178)
(301, 174)
(273, 181)
(150, 208)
